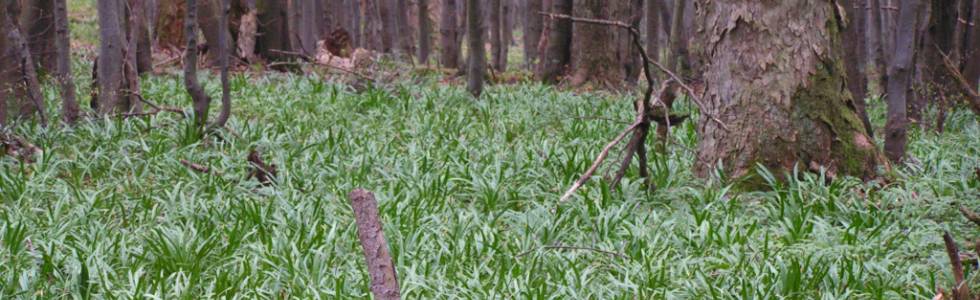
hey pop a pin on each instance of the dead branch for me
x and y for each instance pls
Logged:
(311, 60)
(970, 215)
(973, 97)
(384, 280)
(595, 164)
(961, 290)
(261, 171)
(18, 147)
(196, 167)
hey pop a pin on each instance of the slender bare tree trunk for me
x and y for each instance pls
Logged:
(496, 35)
(404, 30)
(899, 80)
(273, 28)
(223, 54)
(144, 42)
(110, 62)
(389, 26)
(69, 104)
(38, 24)
(425, 31)
(23, 78)
(533, 24)
(972, 71)
(558, 53)
(653, 10)
(775, 95)
(876, 55)
(675, 58)
(477, 58)
(854, 48)
(201, 100)
(130, 72)
(449, 35)
(631, 62)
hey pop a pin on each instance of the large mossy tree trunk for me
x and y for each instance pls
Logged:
(774, 77)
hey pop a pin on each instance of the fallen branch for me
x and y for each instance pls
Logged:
(970, 215)
(972, 96)
(381, 267)
(311, 60)
(261, 171)
(18, 147)
(595, 164)
(961, 290)
(196, 167)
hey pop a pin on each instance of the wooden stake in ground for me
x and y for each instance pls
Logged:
(384, 281)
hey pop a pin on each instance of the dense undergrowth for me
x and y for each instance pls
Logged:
(468, 192)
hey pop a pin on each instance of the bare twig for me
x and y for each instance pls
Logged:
(311, 60)
(196, 167)
(263, 172)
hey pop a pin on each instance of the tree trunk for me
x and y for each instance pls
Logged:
(389, 26)
(854, 59)
(144, 42)
(532, 32)
(404, 30)
(899, 80)
(247, 31)
(69, 106)
(130, 72)
(774, 78)
(373, 36)
(876, 52)
(559, 44)
(224, 51)
(653, 10)
(169, 23)
(273, 28)
(18, 77)
(631, 62)
(110, 62)
(201, 100)
(477, 58)
(972, 71)
(425, 31)
(595, 46)
(449, 36)
(37, 19)
(497, 35)
(303, 30)
(208, 11)
(675, 59)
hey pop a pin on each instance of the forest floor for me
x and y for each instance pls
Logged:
(468, 194)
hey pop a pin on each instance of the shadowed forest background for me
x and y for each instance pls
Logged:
(517, 149)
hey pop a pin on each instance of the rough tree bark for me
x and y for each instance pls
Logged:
(594, 47)
(854, 48)
(425, 31)
(558, 53)
(653, 10)
(201, 101)
(477, 58)
(111, 97)
(775, 92)
(247, 31)
(532, 31)
(497, 35)
(69, 104)
(36, 18)
(370, 231)
(18, 77)
(899, 80)
(449, 35)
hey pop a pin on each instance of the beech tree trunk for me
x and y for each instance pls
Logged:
(18, 77)
(37, 19)
(774, 77)
(425, 31)
(854, 49)
(595, 46)
(899, 80)
(449, 35)
(111, 81)
(497, 35)
(532, 32)
(477, 58)
(69, 104)
(558, 53)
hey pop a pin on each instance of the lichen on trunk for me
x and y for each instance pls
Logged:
(775, 78)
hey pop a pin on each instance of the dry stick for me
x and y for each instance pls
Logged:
(309, 59)
(970, 215)
(195, 167)
(595, 164)
(961, 290)
(384, 280)
(972, 95)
